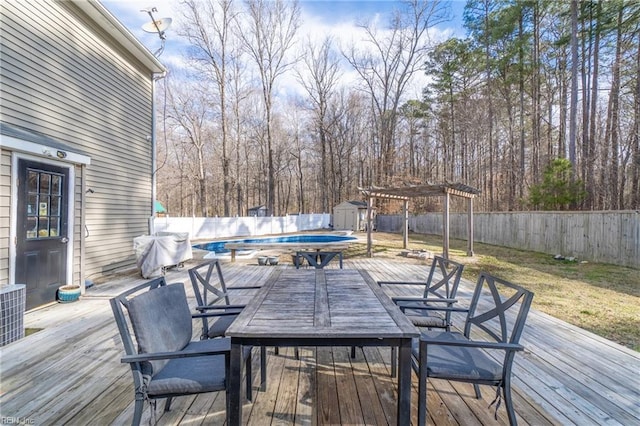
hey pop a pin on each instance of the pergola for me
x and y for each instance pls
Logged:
(405, 193)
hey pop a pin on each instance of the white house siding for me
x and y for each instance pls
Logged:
(65, 76)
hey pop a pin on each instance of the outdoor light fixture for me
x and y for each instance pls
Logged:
(61, 154)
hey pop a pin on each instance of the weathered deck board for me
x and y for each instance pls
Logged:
(69, 373)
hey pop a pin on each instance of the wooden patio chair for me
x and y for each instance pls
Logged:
(483, 354)
(166, 363)
(212, 297)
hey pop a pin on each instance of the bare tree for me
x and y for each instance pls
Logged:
(270, 33)
(239, 94)
(386, 66)
(319, 78)
(635, 137)
(188, 110)
(209, 31)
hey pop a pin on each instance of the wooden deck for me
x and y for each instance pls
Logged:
(69, 373)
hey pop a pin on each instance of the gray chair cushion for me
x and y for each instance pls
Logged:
(422, 317)
(427, 321)
(456, 362)
(194, 374)
(161, 322)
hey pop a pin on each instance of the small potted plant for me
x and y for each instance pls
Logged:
(68, 293)
(273, 260)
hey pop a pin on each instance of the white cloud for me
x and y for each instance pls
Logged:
(343, 25)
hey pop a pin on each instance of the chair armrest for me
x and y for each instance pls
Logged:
(215, 314)
(250, 287)
(436, 308)
(423, 299)
(381, 283)
(471, 344)
(219, 307)
(171, 355)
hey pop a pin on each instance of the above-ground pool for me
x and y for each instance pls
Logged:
(218, 246)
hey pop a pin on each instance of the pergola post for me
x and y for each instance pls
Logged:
(405, 228)
(445, 227)
(369, 226)
(470, 228)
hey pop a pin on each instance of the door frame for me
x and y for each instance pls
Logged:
(15, 157)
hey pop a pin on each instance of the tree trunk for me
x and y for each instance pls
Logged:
(573, 111)
(521, 174)
(591, 153)
(635, 167)
(535, 94)
(615, 113)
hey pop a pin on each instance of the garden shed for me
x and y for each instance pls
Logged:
(259, 211)
(350, 215)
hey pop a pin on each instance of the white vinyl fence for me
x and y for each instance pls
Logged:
(203, 228)
(599, 236)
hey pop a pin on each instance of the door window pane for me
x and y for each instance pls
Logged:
(43, 206)
(45, 183)
(55, 184)
(32, 205)
(32, 182)
(54, 227)
(32, 227)
(43, 227)
(54, 209)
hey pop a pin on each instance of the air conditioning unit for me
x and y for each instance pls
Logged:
(12, 306)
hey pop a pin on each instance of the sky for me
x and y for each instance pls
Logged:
(320, 17)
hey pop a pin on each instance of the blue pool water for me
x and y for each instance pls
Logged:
(218, 246)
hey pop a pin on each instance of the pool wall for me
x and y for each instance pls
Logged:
(213, 228)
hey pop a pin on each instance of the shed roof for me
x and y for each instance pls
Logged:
(361, 204)
(262, 207)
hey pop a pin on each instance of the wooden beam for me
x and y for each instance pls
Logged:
(470, 228)
(369, 226)
(445, 226)
(405, 228)
(457, 192)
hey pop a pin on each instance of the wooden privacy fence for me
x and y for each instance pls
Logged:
(598, 236)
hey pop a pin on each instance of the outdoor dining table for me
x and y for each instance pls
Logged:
(319, 307)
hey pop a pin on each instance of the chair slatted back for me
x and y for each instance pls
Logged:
(447, 286)
(209, 288)
(484, 312)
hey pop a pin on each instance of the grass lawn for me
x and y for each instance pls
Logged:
(601, 298)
